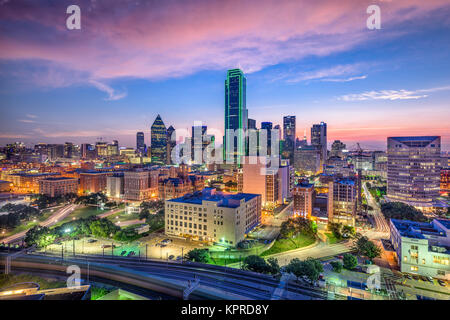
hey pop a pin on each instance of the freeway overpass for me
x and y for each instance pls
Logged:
(169, 278)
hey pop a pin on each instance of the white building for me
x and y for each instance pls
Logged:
(422, 248)
(215, 216)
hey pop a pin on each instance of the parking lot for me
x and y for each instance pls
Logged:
(150, 247)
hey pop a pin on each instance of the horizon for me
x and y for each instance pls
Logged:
(318, 62)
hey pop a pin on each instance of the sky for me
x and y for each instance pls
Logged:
(132, 60)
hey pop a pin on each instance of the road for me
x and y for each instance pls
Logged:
(54, 218)
(380, 221)
(110, 213)
(321, 250)
(129, 222)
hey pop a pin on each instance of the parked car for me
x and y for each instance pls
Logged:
(442, 283)
(408, 276)
(171, 257)
(415, 277)
(430, 279)
(92, 240)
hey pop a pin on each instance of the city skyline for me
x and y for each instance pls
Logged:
(365, 84)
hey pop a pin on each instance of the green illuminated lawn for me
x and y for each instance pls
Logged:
(83, 212)
(282, 245)
(331, 238)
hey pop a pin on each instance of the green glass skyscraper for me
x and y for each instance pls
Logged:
(235, 116)
(159, 141)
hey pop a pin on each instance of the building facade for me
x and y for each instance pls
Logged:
(53, 187)
(422, 247)
(342, 200)
(214, 216)
(413, 170)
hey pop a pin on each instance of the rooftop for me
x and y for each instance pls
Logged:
(209, 194)
(417, 230)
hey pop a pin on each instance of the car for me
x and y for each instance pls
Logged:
(430, 279)
(340, 257)
(171, 257)
(442, 283)
(408, 276)
(131, 253)
(92, 240)
(415, 277)
(179, 258)
(423, 278)
(123, 252)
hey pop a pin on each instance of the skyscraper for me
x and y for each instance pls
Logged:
(413, 170)
(289, 136)
(319, 139)
(159, 141)
(140, 143)
(171, 143)
(235, 115)
(268, 127)
(198, 143)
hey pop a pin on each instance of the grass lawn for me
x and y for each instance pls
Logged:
(83, 212)
(9, 279)
(26, 225)
(123, 216)
(331, 238)
(224, 261)
(282, 245)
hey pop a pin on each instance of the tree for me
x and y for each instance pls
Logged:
(256, 264)
(348, 231)
(336, 229)
(350, 261)
(198, 255)
(337, 266)
(311, 268)
(40, 236)
(274, 267)
(402, 211)
(103, 228)
(365, 247)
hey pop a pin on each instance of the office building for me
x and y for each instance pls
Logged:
(171, 143)
(235, 116)
(337, 149)
(92, 181)
(137, 186)
(140, 143)
(307, 160)
(413, 170)
(159, 141)
(342, 196)
(59, 186)
(289, 137)
(214, 216)
(422, 247)
(303, 194)
(319, 139)
(115, 186)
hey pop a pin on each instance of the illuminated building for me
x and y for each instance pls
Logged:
(307, 160)
(337, 149)
(303, 194)
(289, 137)
(445, 181)
(319, 139)
(342, 195)
(140, 143)
(137, 186)
(235, 116)
(115, 186)
(213, 216)
(413, 170)
(93, 181)
(422, 247)
(159, 141)
(58, 186)
(268, 127)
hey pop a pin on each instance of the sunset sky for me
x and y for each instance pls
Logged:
(132, 60)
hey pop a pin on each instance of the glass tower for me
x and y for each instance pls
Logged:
(159, 141)
(235, 116)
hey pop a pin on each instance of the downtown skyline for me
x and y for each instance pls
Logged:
(320, 63)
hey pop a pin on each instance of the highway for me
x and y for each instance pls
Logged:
(167, 277)
(54, 218)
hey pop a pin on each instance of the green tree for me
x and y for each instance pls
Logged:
(40, 236)
(198, 255)
(103, 228)
(365, 247)
(337, 266)
(350, 261)
(402, 211)
(274, 267)
(311, 268)
(257, 264)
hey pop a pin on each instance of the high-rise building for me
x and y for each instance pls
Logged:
(289, 137)
(319, 139)
(140, 143)
(251, 124)
(268, 127)
(88, 151)
(342, 196)
(68, 150)
(198, 143)
(235, 116)
(307, 160)
(303, 199)
(159, 141)
(171, 143)
(337, 149)
(413, 170)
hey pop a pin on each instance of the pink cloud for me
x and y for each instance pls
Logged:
(176, 38)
